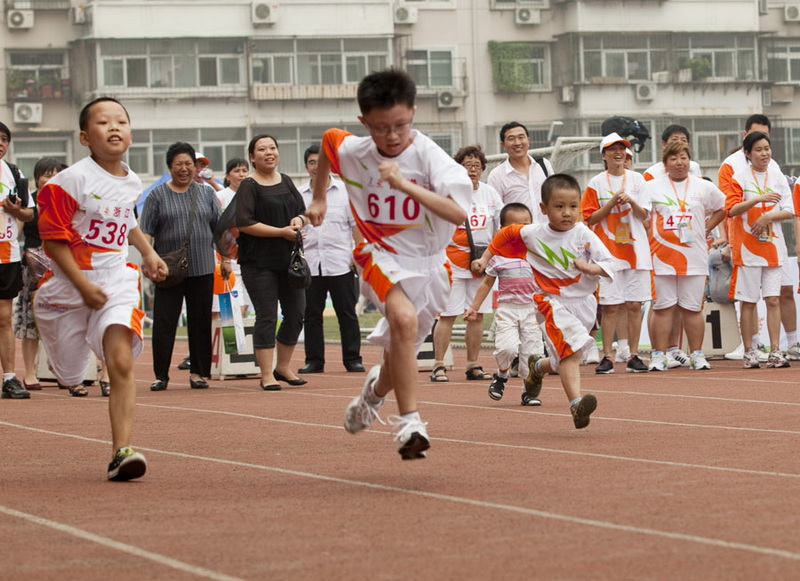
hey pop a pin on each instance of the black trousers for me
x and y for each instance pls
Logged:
(267, 288)
(344, 295)
(167, 302)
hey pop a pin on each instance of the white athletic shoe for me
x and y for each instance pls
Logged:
(698, 361)
(679, 357)
(763, 353)
(793, 352)
(411, 437)
(658, 361)
(591, 356)
(737, 354)
(622, 355)
(361, 412)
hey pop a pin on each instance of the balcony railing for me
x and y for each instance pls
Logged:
(33, 84)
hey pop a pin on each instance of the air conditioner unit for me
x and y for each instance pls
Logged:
(447, 100)
(566, 94)
(404, 14)
(19, 19)
(782, 94)
(264, 12)
(539, 4)
(30, 113)
(791, 13)
(646, 91)
(527, 16)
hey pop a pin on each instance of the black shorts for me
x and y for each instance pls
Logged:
(10, 280)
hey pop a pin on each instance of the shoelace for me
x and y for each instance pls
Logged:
(368, 412)
(402, 426)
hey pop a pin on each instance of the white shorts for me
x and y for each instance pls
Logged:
(566, 323)
(752, 283)
(626, 286)
(461, 295)
(516, 332)
(70, 330)
(786, 274)
(686, 291)
(425, 280)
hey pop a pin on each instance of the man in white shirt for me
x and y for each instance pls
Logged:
(332, 239)
(520, 177)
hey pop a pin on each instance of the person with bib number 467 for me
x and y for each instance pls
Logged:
(684, 209)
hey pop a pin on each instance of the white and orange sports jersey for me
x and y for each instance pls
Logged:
(624, 234)
(483, 214)
(657, 170)
(678, 213)
(92, 211)
(736, 162)
(552, 255)
(746, 248)
(9, 232)
(385, 216)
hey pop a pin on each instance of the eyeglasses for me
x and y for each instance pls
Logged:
(472, 165)
(401, 129)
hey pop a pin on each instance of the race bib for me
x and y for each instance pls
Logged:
(6, 230)
(673, 220)
(107, 224)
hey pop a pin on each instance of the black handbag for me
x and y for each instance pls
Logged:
(177, 261)
(299, 273)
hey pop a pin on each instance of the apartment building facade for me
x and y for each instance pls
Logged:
(216, 73)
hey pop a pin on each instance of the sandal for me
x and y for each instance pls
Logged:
(477, 373)
(78, 391)
(439, 374)
(105, 388)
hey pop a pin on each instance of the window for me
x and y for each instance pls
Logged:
(626, 58)
(717, 58)
(317, 61)
(783, 62)
(28, 151)
(519, 67)
(37, 75)
(430, 68)
(172, 63)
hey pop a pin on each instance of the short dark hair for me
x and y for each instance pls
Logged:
(509, 126)
(385, 89)
(312, 149)
(232, 164)
(559, 181)
(83, 118)
(46, 165)
(471, 151)
(672, 130)
(752, 138)
(178, 148)
(513, 207)
(675, 148)
(759, 119)
(4, 129)
(251, 147)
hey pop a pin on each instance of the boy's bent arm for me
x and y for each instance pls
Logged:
(59, 251)
(444, 207)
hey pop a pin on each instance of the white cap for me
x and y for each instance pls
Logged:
(611, 139)
(200, 157)
(628, 152)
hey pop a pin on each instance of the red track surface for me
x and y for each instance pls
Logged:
(681, 475)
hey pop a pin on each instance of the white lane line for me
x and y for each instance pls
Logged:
(123, 547)
(710, 541)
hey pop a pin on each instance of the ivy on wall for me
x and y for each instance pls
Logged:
(507, 74)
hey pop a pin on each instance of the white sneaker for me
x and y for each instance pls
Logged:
(793, 352)
(591, 356)
(679, 357)
(411, 437)
(360, 412)
(698, 361)
(777, 360)
(658, 361)
(750, 360)
(762, 352)
(738, 353)
(622, 355)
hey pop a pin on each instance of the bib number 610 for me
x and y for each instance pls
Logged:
(409, 207)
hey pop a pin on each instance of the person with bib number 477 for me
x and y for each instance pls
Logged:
(684, 210)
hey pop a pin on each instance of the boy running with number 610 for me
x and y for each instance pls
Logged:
(568, 260)
(89, 301)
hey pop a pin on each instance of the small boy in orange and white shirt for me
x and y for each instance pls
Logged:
(568, 259)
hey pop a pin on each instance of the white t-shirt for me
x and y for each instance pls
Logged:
(9, 231)
(483, 214)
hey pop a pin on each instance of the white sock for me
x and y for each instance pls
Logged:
(412, 416)
(791, 337)
(672, 348)
(7, 376)
(502, 374)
